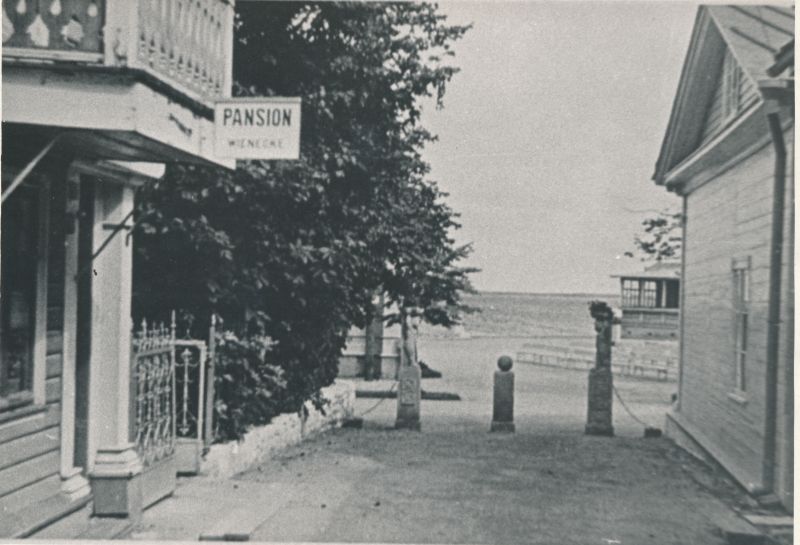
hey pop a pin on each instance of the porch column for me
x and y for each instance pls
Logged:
(73, 482)
(115, 465)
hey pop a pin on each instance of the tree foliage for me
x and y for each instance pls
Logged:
(295, 249)
(661, 237)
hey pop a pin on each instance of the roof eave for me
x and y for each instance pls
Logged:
(664, 156)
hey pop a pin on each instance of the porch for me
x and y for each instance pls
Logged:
(651, 302)
(118, 79)
(89, 410)
(98, 95)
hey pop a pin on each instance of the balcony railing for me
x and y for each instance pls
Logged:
(186, 40)
(60, 25)
(186, 44)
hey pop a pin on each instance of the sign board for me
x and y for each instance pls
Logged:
(257, 128)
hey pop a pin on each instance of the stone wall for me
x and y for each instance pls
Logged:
(261, 443)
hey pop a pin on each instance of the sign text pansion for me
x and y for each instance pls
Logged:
(256, 117)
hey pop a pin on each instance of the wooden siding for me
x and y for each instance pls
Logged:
(30, 445)
(715, 120)
(729, 217)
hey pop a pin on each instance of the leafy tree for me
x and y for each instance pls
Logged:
(661, 238)
(295, 249)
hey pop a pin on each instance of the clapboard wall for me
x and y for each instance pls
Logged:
(30, 436)
(729, 217)
(715, 120)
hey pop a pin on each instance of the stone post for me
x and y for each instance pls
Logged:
(409, 378)
(601, 385)
(503, 413)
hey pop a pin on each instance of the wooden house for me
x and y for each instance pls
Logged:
(727, 152)
(98, 95)
(650, 302)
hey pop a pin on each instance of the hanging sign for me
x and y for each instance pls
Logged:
(257, 128)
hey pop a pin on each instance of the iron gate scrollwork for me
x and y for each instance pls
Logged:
(153, 386)
(190, 362)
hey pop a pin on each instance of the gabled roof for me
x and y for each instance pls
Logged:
(753, 34)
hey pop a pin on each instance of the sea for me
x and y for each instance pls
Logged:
(524, 316)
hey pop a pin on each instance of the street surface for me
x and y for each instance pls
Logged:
(456, 483)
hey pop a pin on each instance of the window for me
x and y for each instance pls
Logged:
(673, 295)
(731, 83)
(640, 293)
(649, 294)
(630, 293)
(741, 303)
(19, 266)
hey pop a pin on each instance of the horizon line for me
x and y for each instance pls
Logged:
(546, 293)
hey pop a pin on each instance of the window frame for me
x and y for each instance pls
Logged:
(36, 395)
(741, 282)
(630, 292)
(648, 293)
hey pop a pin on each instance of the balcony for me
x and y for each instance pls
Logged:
(183, 44)
(129, 80)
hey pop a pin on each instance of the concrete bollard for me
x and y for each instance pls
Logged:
(599, 418)
(503, 413)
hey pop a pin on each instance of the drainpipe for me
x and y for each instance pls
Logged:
(772, 97)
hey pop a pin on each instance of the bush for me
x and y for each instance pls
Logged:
(249, 389)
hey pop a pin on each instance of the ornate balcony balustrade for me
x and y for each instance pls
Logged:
(186, 44)
(62, 25)
(185, 40)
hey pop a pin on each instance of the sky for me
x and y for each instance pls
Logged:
(549, 136)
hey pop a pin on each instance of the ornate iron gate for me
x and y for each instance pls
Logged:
(191, 358)
(153, 428)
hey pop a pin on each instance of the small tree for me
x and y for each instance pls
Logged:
(661, 239)
(295, 250)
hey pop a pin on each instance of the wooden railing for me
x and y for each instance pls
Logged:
(55, 25)
(668, 316)
(185, 40)
(186, 44)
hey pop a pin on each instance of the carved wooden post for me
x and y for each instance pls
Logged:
(503, 413)
(599, 417)
(409, 377)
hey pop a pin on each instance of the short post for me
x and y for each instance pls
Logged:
(503, 413)
(601, 385)
(409, 379)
